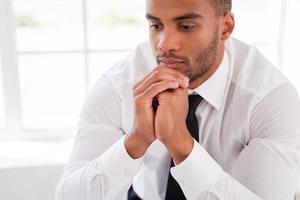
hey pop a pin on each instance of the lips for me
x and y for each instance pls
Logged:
(168, 62)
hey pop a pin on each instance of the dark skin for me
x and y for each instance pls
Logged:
(188, 42)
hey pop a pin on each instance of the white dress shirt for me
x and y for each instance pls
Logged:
(249, 136)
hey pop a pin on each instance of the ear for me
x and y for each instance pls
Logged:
(228, 25)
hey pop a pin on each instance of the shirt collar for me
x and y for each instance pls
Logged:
(213, 89)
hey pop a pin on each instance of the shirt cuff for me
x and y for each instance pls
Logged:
(197, 173)
(117, 165)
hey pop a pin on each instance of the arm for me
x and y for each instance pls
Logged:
(267, 167)
(93, 171)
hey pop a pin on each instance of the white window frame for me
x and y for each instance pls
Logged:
(12, 97)
(11, 84)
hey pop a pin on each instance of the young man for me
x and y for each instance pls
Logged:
(195, 114)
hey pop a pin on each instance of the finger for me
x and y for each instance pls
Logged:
(160, 70)
(157, 88)
(162, 75)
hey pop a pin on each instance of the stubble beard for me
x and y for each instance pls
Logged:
(206, 59)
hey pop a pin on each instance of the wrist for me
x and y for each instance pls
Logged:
(180, 146)
(135, 145)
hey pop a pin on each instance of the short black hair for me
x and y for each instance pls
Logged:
(221, 6)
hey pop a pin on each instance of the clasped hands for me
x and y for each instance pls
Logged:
(167, 122)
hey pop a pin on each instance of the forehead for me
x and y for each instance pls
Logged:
(173, 8)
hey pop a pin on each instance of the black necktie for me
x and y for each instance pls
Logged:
(173, 189)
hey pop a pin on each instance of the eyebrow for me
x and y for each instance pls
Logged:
(182, 17)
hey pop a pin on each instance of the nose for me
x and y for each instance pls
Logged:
(168, 41)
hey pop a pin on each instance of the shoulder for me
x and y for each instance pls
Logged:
(273, 102)
(252, 72)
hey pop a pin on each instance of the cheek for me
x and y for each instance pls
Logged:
(193, 44)
(193, 53)
(153, 40)
(198, 47)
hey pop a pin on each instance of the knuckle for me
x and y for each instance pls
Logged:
(137, 92)
(134, 91)
(156, 75)
(137, 99)
(159, 70)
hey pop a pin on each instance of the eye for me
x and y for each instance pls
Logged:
(155, 26)
(186, 28)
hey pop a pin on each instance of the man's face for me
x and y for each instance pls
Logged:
(184, 35)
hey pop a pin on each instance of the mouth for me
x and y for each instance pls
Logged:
(171, 63)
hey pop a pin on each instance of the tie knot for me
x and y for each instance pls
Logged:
(194, 101)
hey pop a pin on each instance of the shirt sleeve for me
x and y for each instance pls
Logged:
(267, 167)
(99, 166)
